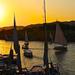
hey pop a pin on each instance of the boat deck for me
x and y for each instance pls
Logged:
(24, 72)
(35, 70)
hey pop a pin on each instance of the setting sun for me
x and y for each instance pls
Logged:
(2, 12)
(31, 11)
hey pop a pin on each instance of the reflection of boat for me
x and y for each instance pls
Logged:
(60, 52)
(27, 51)
(60, 56)
(60, 41)
(12, 64)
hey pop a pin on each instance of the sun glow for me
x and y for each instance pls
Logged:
(2, 12)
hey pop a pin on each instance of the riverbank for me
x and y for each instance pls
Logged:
(36, 31)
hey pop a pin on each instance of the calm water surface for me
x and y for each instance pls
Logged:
(66, 60)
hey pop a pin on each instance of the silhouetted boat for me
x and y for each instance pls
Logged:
(17, 46)
(60, 40)
(11, 65)
(27, 51)
(49, 67)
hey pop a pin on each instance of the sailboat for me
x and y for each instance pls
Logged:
(50, 70)
(60, 40)
(27, 51)
(16, 45)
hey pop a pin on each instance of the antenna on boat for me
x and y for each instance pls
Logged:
(45, 57)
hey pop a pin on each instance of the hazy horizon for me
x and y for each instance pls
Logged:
(31, 11)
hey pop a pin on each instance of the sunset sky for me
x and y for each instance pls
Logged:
(31, 11)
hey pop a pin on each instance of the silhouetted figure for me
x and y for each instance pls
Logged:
(52, 70)
(26, 44)
(11, 60)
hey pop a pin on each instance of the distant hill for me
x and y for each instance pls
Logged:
(36, 31)
(11, 27)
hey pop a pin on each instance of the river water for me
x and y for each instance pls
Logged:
(66, 60)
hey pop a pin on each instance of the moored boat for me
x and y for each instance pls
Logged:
(62, 48)
(27, 51)
(60, 40)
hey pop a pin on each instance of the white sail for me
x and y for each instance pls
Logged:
(59, 36)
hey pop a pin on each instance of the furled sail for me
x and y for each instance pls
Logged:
(16, 46)
(26, 37)
(15, 38)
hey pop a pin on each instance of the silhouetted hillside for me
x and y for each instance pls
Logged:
(36, 32)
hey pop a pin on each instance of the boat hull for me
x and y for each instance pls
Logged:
(60, 48)
(28, 53)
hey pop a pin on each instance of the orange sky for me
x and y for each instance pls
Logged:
(31, 11)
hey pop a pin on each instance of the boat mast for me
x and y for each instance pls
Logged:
(16, 45)
(26, 37)
(45, 57)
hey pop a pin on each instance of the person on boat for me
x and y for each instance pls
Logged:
(11, 60)
(26, 44)
(52, 70)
